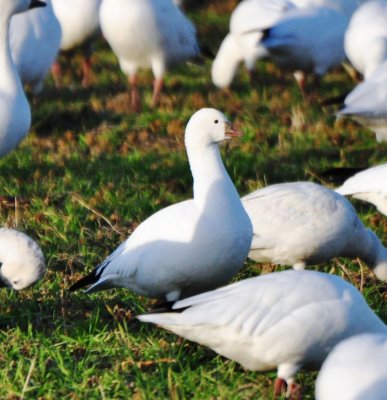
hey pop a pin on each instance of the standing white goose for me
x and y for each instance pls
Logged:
(147, 33)
(34, 39)
(79, 22)
(284, 320)
(240, 46)
(368, 185)
(365, 41)
(15, 113)
(188, 247)
(21, 260)
(356, 369)
(302, 224)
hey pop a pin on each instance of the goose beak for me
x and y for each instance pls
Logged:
(231, 131)
(37, 3)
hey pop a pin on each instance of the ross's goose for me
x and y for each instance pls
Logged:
(21, 260)
(79, 23)
(284, 320)
(188, 247)
(307, 40)
(365, 40)
(239, 46)
(367, 103)
(34, 39)
(150, 34)
(368, 185)
(302, 224)
(356, 369)
(15, 114)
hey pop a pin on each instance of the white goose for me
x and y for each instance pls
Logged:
(147, 33)
(79, 23)
(34, 39)
(188, 247)
(21, 260)
(302, 224)
(15, 114)
(367, 103)
(356, 369)
(368, 185)
(365, 41)
(240, 46)
(284, 320)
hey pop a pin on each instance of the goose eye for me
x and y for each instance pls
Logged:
(216, 121)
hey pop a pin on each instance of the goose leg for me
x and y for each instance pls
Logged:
(157, 86)
(134, 95)
(56, 71)
(279, 387)
(86, 71)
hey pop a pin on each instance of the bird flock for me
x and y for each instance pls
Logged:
(186, 254)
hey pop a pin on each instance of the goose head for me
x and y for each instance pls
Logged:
(10, 7)
(21, 260)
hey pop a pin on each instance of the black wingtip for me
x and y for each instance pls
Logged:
(339, 175)
(335, 101)
(266, 34)
(85, 281)
(165, 307)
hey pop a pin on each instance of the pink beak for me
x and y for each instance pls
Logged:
(231, 131)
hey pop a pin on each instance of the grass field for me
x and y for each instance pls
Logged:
(91, 170)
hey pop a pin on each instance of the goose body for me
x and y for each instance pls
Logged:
(356, 369)
(239, 46)
(369, 185)
(283, 320)
(147, 34)
(34, 39)
(188, 247)
(302, 224)
(365, 40)
(21, 259)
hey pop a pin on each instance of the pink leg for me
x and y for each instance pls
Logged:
(294, 392)
(279, 387)
(56, 71)
(86, 71)
(134, 96)
(157, 86)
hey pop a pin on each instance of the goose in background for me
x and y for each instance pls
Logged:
(188, 247)
(369, 185)
(239, 45)
(284, 320)
(356, 369)
(34, 40)
(15, 113)
(79, 23)
(302, 223)
(21, 259)
(147, 34)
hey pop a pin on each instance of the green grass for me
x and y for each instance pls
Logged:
(91, 171)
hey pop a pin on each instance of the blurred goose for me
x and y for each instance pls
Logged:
(365, 41)
(79, 23)
(188, 247)
(301, 42)
(34, 39)
(367, 103)
(284, 320)
(21, 260)
(356, 369)
(368, 185)
(15, 114)
(150, 34)
(302, 224)
(240, 46)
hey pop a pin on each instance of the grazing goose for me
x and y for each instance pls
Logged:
(150, 34)
(188, 247)
(15, 113)
(365, 41)
(356, 369)
(368, 185)
(367, 103)
(21, 260)
(79, 23)
(284, 320)
(240, 46)
(34, 39)
(302, 224)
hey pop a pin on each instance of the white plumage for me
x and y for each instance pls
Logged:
(356, 369)
(188, 247)
(284, 320)
(21, 259)
(302, 224)
(147, 34)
